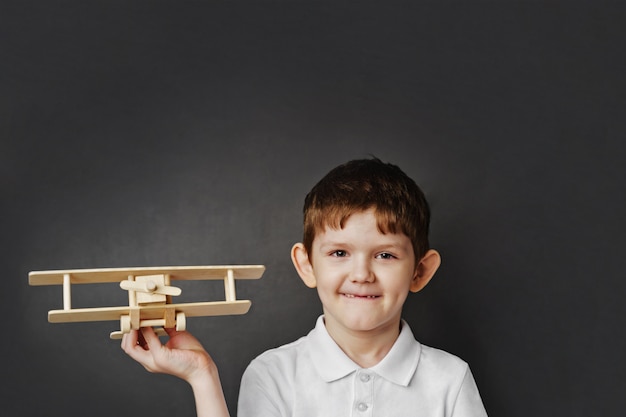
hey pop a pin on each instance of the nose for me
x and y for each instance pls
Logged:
(362, 271)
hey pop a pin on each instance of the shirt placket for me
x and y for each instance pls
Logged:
(363, 404)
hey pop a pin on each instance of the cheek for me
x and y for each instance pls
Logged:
(402, 289)
(326, 288)
(325, 296)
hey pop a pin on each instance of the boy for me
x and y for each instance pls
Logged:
(365, 248)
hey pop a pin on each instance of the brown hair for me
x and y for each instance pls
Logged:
(358, 185)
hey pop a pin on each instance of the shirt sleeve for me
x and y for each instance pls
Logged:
(259, 396)
(468, 402)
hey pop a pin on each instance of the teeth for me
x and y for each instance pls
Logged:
(360, 296)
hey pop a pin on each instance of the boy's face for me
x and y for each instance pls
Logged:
(362, 275)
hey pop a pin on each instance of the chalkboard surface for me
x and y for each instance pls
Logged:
(148, 133)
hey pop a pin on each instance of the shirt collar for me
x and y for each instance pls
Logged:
(401, 362)
(398, 366)
(328, 358)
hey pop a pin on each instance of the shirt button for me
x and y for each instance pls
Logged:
(362, 407)
(364, 377)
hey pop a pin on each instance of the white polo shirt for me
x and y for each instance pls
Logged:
(313, 377)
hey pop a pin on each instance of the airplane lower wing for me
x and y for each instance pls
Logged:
(199, 309)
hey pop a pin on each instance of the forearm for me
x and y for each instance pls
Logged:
(208, 395)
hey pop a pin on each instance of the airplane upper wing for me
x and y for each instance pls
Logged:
(88, 276)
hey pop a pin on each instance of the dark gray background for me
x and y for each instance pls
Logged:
(145, 133)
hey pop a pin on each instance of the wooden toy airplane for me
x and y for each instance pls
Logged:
(149, 295)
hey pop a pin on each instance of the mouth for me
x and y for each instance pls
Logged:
(361, 297)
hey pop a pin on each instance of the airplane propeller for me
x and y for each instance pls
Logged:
(150, 287)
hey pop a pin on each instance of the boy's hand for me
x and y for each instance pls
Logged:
(182, 356)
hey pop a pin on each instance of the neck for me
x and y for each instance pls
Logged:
(365, 348)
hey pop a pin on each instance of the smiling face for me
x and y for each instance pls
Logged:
(362, 275)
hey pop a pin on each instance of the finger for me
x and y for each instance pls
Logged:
(141, 341)
(129, 340)
(171, 331)
(151, 339)
(138, 352)
(143, 357)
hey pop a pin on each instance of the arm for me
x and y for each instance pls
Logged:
(182, 356)
(468, 402)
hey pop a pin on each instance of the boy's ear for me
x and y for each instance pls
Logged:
(425, 270)
(301, 261)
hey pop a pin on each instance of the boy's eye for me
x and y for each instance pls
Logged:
(339, 253)
(385, 255)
